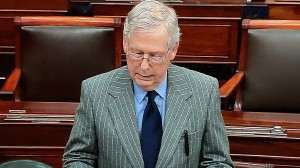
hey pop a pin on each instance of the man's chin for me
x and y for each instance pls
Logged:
(146, 85)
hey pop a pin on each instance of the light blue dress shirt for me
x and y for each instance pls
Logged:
(140, 101)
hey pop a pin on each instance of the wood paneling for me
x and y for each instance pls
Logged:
(283, 9)
(10, 9)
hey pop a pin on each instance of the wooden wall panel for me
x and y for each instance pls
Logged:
(283, 9)
(208, 41)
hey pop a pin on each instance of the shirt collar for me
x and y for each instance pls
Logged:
(140, 94)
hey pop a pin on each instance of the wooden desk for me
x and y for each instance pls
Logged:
(45, 141)
(276, 150)
(38, 139)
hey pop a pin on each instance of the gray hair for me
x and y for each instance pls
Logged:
(150, 14)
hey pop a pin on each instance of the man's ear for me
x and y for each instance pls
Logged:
(174, 51)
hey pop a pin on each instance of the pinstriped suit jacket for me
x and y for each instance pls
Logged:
(105, 132)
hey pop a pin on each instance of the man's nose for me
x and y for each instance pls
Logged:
(145, 62)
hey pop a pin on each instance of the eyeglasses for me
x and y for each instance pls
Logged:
(153, 58)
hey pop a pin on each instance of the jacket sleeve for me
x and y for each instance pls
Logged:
(215, 146)
(81, 149)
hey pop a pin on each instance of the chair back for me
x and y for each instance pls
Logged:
(56, 54)
(270, 57)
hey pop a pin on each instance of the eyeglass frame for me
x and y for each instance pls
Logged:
(141, 56)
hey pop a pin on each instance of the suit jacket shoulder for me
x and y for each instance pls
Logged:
(113, 80)
(190, 79)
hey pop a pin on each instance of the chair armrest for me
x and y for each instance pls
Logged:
(231, 85)
(11, 82)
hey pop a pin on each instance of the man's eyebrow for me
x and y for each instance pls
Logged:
(140, 51)
(135, 50)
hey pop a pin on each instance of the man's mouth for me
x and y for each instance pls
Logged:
(143, 76)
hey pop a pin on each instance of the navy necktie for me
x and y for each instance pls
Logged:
(151, 132)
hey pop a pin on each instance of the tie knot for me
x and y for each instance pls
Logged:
(151, 95)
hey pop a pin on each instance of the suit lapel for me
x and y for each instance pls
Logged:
(177, 113)
(124, 117)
